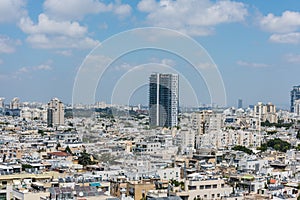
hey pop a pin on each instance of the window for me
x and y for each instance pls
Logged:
(222, 185)
(201, 187)
(215, 186)
(213, 196)
(208, 187)
(192, 187)
(218, 195)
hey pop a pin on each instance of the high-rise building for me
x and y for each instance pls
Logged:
(297, 107)
(295, 95)
(163, 100)
(266, 112)
(55, 113)
(2, 102)
(240, 103)
(15, 103)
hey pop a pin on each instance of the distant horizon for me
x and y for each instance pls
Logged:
(278, 106)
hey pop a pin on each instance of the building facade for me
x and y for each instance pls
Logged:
(55, 113)
(295, 95)
(163, 100)
(15, 103)
(266, 112)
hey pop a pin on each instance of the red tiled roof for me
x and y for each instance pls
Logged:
(59, 153)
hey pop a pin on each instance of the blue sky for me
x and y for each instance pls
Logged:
(254, 43)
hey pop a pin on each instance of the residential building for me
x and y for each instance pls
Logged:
(163, 100)
(55, 113)
(266, 112)
(2, 102)
(295, 95)
(15, 103)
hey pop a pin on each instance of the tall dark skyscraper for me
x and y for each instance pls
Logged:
(295, 95)
(163, 100)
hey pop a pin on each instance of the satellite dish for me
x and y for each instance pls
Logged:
(80, 194)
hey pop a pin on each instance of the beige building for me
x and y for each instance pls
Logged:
(15, 103)
(206, 189)
(265, 112)
(206, 121)
(55, 113)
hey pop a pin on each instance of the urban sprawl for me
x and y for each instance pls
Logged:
(155, 152)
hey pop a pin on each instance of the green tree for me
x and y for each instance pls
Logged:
(298, 134)
(68, 150)
(277, 144)
(85, 159)
(58, 146)
(242, 148)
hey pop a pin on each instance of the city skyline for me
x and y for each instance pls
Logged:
(254, 44)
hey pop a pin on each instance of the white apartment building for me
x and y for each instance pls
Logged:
(55, 113)
(207, 189)
(33, 113)
(187, 140)
(265, 112)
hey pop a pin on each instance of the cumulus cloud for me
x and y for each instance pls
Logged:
(284, 28)
(77, 9)
(192, 16)
(48, 26)
(48, 33)
(122, 10)
(7, 45)
(288, 22)
(11, 10)
(252, 64)
(288, 38)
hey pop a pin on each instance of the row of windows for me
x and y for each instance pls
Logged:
(212, 196)
(202, 187)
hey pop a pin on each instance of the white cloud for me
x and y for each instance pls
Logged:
(147, 5)
(7, 45)
(168, 62)
(284, 28)
(74, 9)
(122, 10)
(61, 42)
(11, 10)
(43, 67)
(192, 16)
(292, 58)
(49, 33)
(64, 52)
(288, 38)
(252, 64)
(48, 26)
(123, 67)
(23, 70)
(288, 22)
(77, 9)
